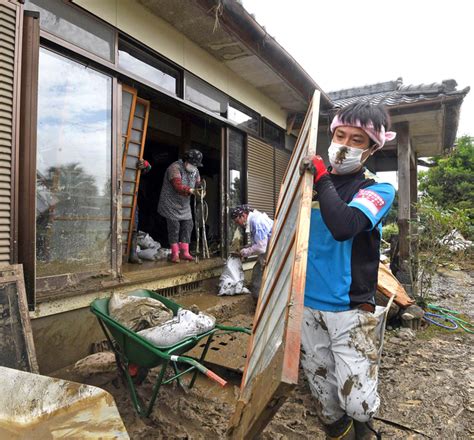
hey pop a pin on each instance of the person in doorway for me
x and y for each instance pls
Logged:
(259, 226)
(145, 167)
(181, 181)
(342, 329)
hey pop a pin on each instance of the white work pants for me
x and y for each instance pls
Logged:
(340, 356)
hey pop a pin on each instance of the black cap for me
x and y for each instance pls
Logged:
(194, 157)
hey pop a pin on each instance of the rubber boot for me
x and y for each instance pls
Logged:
(365, 431)
(174, 253)
(342, 429)
(133, 257)
(184, 252)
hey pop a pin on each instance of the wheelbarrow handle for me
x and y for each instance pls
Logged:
(210, 374)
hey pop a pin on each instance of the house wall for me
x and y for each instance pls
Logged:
(135, 20)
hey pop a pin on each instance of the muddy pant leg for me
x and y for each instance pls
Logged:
(356, 339)
(173, 230)
(185, 229)
(319, 366)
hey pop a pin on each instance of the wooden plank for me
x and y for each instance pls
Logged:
(271, 371)
(17, 348)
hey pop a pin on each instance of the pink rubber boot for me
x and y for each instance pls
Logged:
(184, 252)
(174, 253)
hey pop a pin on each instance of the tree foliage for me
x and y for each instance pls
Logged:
(450, 183)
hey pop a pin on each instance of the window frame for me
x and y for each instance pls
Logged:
(78, 49)
(146, 53)
(246, 110)
(51, 286)
(281, 144)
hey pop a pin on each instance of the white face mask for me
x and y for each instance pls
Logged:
(190, 168)
(344, 159)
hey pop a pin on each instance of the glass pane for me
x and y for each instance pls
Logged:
(138, 123)
(130, 175)
(236, 185)
(126, 212)
(133, 150)
(140, 110)
(149, 68)
(73, 26)
(128, 188)
(125, 225)
(131, 162)
(124, 239)
(127, 99)
(244, 118)
(73, 213)
(273, 134)
(136, 136)
(205, 96)
(127, 200)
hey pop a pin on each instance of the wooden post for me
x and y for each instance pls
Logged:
(413, 214)
(404, 211)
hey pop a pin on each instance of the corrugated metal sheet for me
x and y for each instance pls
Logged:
(261, 179)
(7, 67)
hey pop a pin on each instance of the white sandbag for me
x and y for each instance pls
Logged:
(231, 281)
(162, 254)
(148, 254)
(184, 325)
(145, 241)
(137, 312)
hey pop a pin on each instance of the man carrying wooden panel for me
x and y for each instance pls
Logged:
(342, 329)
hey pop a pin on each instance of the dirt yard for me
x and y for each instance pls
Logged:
(426, 383)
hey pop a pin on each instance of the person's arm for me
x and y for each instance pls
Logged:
(343, 221)
(258, 248)
(176, 181)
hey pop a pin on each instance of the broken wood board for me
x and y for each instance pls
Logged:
(388, 285)
(271, 370)
(17, 348)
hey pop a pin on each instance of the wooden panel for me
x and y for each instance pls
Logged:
(16, 339)
(261, 184)
(273, 354)
(282, 159)
(138, 110)
(9, 38)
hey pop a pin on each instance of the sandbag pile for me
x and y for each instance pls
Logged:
(138, 313)
(152, 320)
(149, 249)
(184, 325)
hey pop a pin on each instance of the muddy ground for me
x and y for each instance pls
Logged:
(426, 387)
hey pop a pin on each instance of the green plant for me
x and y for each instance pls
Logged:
(450, 182)
(388, 230)
(429, 232)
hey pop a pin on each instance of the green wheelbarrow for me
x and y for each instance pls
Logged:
(135, 355)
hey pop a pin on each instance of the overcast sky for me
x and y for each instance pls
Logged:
(347, 43)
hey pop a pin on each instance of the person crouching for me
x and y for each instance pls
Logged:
(260, 226)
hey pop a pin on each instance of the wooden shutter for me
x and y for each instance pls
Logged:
(261, 178)
(10, 38)
(282, 158)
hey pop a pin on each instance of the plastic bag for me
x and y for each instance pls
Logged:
(145, 241)
(138, 313)
(184, 325)
(231, 281)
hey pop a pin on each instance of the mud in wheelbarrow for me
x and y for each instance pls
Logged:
(133, 352)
